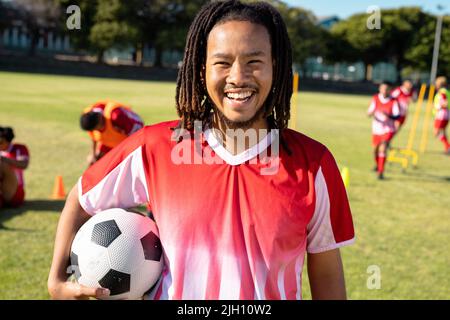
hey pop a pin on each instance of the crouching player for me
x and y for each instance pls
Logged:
(108, 124)
(14, 159)
(385, 111)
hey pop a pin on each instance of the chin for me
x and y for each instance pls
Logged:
(238, 118)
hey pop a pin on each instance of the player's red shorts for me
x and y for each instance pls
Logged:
(401, 120)
(378, 139)
(16, 201)
(440, 124)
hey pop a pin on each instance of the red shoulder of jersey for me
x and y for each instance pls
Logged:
(20, 152)
(147, 137)
(307, 151)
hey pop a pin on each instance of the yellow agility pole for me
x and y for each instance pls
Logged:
(294, 102)
(423, 142)
(412, 132)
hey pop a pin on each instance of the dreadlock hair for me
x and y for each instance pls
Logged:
(192, 100)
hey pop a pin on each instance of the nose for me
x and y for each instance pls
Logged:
(238, 75)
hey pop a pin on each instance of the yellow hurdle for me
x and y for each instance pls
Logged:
(412, 132)
(409, 152)
(293, 125)
(423, 141)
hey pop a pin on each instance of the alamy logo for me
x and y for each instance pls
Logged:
(237, 140)
(74, 20)
(374, 20)
(374, 280)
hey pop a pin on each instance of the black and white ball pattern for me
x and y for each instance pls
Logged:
(118, 250)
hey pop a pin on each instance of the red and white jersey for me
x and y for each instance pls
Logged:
(227, 231)
(441, 105)
(381, 108)
(404, 98)
(17, 152)
(126, 120)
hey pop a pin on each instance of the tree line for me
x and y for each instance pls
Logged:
(405, 36)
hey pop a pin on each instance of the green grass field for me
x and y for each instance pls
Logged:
(402, 224)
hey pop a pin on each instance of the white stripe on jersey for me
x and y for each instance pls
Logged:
(281, 282)
(320, 232)
(167, 282)
(230, 279)
(167, 288)
(298, 273)
(195, 274)
(110, 193)
(260, 278)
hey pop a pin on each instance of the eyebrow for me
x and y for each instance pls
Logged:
(246, 55)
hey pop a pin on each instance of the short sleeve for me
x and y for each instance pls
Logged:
(22, 153)
(331, 225)
(126, 120)
(372, 106)
(118, 179)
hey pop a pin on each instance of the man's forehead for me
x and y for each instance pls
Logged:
(238, 38)
(246, 54)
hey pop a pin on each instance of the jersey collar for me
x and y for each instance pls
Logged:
(242, 157)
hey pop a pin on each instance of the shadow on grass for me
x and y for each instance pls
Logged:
(424, 177)
(29, 205)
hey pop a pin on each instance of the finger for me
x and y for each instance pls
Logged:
(84, 291)
(96, 292)
(102, 292)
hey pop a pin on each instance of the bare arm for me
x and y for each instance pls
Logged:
(371, 109)
(92, 157)
(72, 218)
(21, 164)
(326, 276)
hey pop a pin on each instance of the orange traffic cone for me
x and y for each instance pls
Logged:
(58, 189)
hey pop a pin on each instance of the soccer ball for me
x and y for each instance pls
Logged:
(118, 250)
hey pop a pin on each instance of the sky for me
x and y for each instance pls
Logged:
(345, 8)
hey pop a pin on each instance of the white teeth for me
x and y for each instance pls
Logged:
(239, 95)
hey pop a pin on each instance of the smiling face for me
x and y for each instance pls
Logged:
(239, 72)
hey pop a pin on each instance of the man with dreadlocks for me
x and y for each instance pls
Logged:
(229, 228)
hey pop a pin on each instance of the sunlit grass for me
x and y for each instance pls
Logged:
(402, 224)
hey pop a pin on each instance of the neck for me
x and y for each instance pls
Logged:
(236, 139)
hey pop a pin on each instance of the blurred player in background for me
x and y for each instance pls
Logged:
(404, 94)
(14, 158)
(385, 111)
(441, 112)
(108, 124)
